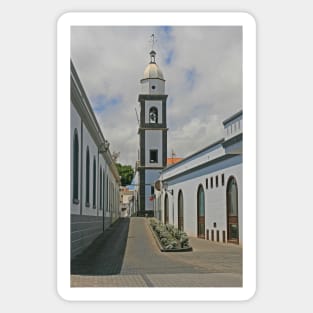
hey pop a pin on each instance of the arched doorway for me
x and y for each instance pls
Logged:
(200, 213)
(232, 211)
(180, 210)
(166, 209)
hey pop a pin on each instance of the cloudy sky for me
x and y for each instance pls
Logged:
(202, 67)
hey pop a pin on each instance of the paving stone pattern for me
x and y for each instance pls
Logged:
(126, 255)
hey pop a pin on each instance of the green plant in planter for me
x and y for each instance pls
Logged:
(176, 233)
(164, 241)
(169, 236)
(169, 227)
(159, 229)
(153, 222)
(165, 234)
(171, 245)
(184, 241)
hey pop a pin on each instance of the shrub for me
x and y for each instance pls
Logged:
(164, 241)
(169, 236)
(184, 242)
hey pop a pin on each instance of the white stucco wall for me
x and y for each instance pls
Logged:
(93, 153)
(233, 127)
(150, 178)
(75, 124)
(88, 221)
(215, 201)
(147, 84)
(110, 192)
(201, 158)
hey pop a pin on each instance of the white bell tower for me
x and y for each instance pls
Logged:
(152, 132)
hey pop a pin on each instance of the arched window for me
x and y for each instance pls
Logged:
(232, 210)
(103, 189)
(201, 212)
(94, 183)
(75, 167)
(111, 195)
(180, 210)
(153, 115)
(107, 193)
(87, 176)
(166, 209)
(100, 180)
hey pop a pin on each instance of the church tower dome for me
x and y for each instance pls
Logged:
(153, 81)
(153, 70)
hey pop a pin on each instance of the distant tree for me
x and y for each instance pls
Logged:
(126, 172)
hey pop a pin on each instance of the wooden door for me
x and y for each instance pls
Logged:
(201, 213)
(232, 211)
(166, 209)
(180, 211)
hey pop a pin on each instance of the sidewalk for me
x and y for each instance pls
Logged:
(127, 256)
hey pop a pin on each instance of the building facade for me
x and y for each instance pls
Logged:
(94, 178)
(152, 132)
(127, 202)
(202, 194)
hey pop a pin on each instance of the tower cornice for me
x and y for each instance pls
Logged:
(152, 128)
(151, 97)
(156, 78)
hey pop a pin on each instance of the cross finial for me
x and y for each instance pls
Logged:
(152, 52)
(152, 41)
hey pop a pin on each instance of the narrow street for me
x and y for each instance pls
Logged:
(126, 255)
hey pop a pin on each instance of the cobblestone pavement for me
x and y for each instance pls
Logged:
(126, 255)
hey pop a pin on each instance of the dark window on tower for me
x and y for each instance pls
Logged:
(223, 180)
(211, 182)
(87, 177)
(216, 181)
(153, 156)
(75, 167)
(206, 183)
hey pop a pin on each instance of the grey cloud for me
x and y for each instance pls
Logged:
(111, 61)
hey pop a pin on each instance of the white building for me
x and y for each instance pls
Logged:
(202, 194)
(94, 177)
(127, 202)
